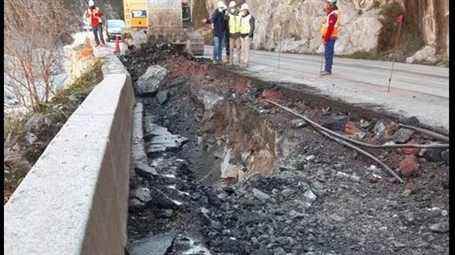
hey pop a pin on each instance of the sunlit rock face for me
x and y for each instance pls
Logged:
(294, 26)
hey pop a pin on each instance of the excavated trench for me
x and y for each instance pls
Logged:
(227, 173)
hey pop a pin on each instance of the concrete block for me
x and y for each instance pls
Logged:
(75, 198)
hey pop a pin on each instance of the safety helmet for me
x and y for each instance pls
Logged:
(91, 3)
(244, 7)
(232, 4)
(221, 5)
(332, 1)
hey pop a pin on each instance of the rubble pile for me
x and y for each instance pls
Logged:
(150, 53)
(319, 198)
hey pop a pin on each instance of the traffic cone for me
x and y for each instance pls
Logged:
(117, 45)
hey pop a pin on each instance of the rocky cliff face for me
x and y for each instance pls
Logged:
(293, 26)
(431, 17)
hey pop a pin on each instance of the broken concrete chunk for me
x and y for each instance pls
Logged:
(433, 154)
(162, 96)
(152, 244)
(345, 175)
(143, 169)
(165, 143)
(150, 82)
(298, 123)
(445, 155)
(440, 227)
(402, 135)
(412, 121)
(309, 195)
(337, 218)
(364, 123)
(310, 157)
(207, 98)
(335, 122)
(136, 203)
(287, 192)
(159, 139)
(379, 129)
(143, 194)
(260, 195)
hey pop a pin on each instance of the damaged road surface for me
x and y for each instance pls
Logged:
(218, 170)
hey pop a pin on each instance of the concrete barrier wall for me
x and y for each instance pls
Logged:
(75, 198)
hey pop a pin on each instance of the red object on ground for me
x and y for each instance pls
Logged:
(351, 129)
(271, 94)
(410, 151)
(117, 45)
(408, 165)
(242, 86)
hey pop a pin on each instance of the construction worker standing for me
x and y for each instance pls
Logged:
(94, 14)
(234, 31)
(246, 34)
(219, 27)
(329, 33)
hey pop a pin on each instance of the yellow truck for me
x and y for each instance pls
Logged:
(169, 19)
(135, 12)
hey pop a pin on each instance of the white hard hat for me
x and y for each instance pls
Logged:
(221, 5)
(232, 4)
(91, 3)
(244, 7)
(332, 1)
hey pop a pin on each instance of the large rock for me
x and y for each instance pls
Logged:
(426, 55)
(152, 244)
(159, 139)
(149, 83)
(402, 135)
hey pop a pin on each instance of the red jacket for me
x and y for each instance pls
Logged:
(94, 15)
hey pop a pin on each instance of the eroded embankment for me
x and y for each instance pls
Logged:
(227, 173)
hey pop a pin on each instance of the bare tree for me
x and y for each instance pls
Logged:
(35, 32)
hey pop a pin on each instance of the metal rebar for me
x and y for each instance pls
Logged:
(368, 145)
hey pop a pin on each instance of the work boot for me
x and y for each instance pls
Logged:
(324, 73)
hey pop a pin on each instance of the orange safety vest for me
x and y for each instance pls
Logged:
(325, 25)
(94, 16)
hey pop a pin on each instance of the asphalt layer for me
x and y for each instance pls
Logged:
(415, 90)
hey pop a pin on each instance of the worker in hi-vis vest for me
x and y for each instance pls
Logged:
(329, 31)
(246, 34)
(233, 17)
(94, 15)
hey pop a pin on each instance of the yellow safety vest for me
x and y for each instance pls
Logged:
(234, 24)
(245, 26)
(325, 25)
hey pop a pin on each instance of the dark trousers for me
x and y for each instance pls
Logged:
(98, 32)
(218, 48)
(329, 50)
